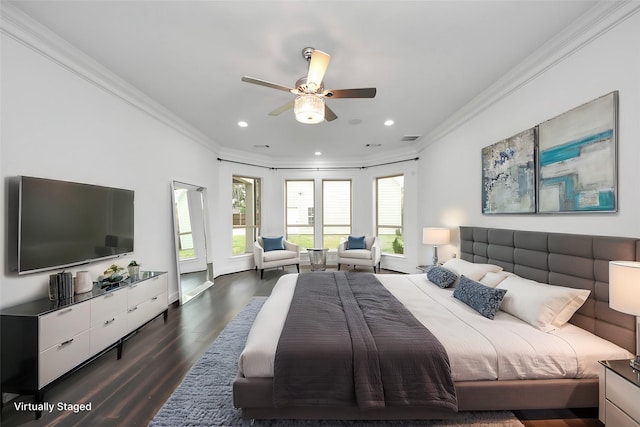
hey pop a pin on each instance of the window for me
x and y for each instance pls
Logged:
(300, 212)
(336, 212)
(390, 213)
(246, 213)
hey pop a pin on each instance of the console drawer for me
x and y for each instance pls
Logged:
(105, 307)
(159, 303)
(143, 291)
(108, 332)
(63, 324)
(63, 357)
(142, 313)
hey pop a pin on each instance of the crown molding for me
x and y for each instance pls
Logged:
(598, 20)
(22, 28)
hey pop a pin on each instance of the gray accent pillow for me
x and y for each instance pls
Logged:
(441, 276)
(483, 299)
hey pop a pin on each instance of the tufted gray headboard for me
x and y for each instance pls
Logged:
(573, 260)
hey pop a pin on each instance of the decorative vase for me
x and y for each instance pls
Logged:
(82, 282)
(134, 270)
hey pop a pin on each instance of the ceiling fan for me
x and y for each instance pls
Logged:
(309, 105)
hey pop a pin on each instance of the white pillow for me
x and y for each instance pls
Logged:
(543, 306)
(493, 279)
(472, 270)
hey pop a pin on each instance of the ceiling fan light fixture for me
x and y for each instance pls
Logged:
(309, 108)
(309, 105)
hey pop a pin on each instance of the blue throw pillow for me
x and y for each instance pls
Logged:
(441, 276)
(483, 299)
(356, 243)
(273, 243)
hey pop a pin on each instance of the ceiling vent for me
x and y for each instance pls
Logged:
(261, 146)
(409, 138)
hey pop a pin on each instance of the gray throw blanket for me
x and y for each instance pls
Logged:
(348, 341)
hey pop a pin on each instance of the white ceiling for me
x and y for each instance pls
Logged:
(426, 58)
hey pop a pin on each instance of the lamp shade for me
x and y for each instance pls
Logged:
(624, 286)
(309, 108)
(435, 236)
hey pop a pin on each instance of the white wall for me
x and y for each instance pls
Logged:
(56, 124)
(450, 168)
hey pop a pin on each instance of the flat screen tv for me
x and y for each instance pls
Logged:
(61, 224)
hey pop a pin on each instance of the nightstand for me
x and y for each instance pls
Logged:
(621, 394)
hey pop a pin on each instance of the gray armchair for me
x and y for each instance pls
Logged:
(278, 258)
(370, 256)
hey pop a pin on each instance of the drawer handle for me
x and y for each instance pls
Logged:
(133, 309)
(65, 343)
(61, 312)
(156, 278)
(154, 298)
(106, 322)
(110, 294)
(133, 285)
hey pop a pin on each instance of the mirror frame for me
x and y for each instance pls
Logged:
(184, 298)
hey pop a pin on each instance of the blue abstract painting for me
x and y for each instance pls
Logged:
(508, 175)
(577, 159)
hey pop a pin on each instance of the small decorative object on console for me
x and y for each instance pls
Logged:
(82, 282)
(60, 286)
(112, 277)
(133, 268)
(112, 274)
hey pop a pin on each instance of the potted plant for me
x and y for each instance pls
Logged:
(112, 274)
(134, 268)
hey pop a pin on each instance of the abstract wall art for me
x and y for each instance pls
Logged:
(577, 159)
(508, 175)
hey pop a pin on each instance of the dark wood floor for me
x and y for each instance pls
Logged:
(129, 392)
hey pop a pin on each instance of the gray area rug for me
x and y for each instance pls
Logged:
(204, 396)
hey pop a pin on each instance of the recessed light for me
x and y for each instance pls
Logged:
(317, 153)
(388, 122)
(243, 124)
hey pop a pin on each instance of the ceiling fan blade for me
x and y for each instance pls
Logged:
(369, 92)
(267, 84)
(317, 67)
(329, 115)
(282, 109)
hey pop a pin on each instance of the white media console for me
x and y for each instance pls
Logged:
(44, 340)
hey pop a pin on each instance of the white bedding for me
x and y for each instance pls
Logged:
(504, 348)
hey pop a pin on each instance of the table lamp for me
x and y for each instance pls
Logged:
(624, 293)
(435, 236)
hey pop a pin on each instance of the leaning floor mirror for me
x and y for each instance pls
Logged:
(195, 271)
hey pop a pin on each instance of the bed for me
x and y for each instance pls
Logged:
(517, 368)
